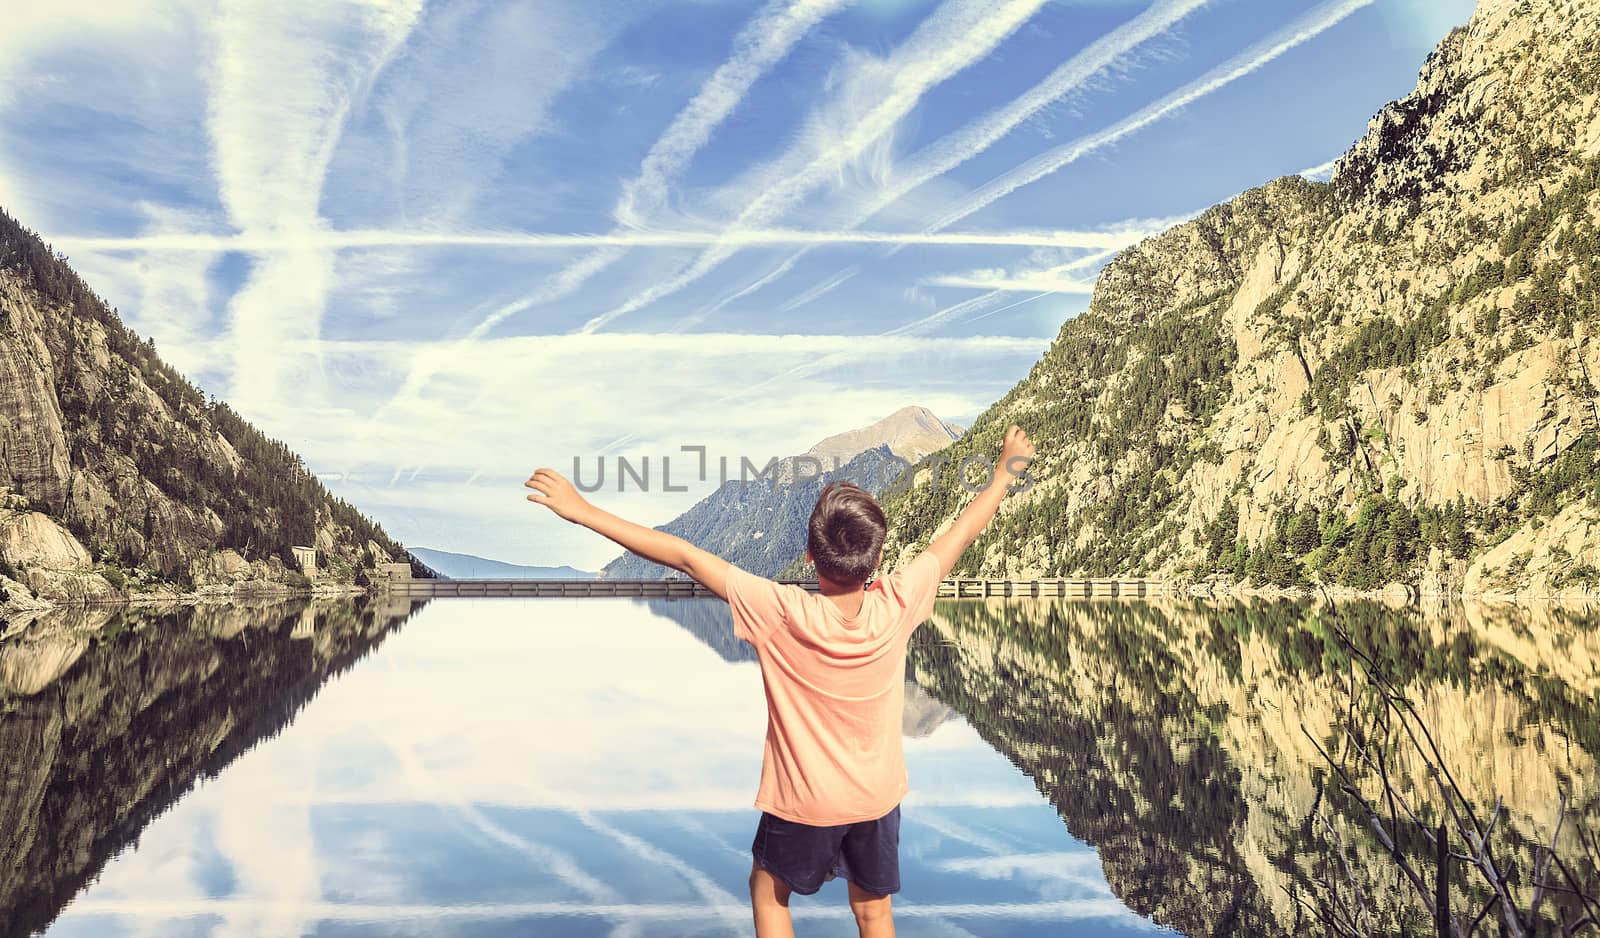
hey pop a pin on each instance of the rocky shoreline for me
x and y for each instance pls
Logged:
(44, 568)
(17, 614)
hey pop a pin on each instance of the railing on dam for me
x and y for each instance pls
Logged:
(962, 588)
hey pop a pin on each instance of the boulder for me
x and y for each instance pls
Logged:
(69, 586)
(28, 538)
(223, 568)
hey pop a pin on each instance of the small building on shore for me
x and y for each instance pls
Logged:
(306, 557)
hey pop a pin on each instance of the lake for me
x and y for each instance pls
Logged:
(586, 767)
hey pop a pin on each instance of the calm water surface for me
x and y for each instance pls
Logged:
(578, 767)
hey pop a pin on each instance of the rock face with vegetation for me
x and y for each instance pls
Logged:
(1386, 378)
(118, 476)
(760, 524)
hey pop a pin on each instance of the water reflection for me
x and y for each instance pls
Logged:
(583, 766)
(1178, 739)
(516, 767)
(712, 624)
(109, 716)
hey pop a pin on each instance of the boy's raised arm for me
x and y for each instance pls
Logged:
(1015, 454)
(552, 490)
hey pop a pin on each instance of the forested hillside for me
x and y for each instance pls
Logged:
(155, 483)
(1388, 378)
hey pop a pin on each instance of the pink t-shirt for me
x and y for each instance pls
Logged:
(835, 691)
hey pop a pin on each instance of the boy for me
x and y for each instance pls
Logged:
(833, 771)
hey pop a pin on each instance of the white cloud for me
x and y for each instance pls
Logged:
(282, 84)
(33, 27)
(476, 80)
(507, 405)
(766, 40)
(72, 61)
(173, 299)
(1322, 172)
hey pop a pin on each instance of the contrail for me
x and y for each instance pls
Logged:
(1036, 296)
(1320, 172)
(1302, 31)
(1046, 281)
(374, 238)
(960, 33)
(825, 287)
(953, 149)
(764, 41)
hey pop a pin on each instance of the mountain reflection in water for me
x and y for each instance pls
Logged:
(1178, 738)
(573, 767)
(110, 715)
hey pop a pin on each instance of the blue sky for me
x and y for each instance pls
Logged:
(434, 245)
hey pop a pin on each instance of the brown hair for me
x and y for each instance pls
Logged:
(846, 533)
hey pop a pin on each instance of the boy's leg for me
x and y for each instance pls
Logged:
(874, 918)
(870, 855)
(769, 900)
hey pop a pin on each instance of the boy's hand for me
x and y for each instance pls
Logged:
(1015, 455)
(552, 490)
(1016, 452)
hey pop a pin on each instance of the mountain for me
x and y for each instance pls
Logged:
(118, 476)
(910, 433)
(467, 567)
(1387, 378)
(760, 525)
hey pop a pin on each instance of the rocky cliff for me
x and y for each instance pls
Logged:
(118, 476)
(760, 524)
(1385, 378)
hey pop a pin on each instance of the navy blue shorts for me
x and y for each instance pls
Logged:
(866, 853)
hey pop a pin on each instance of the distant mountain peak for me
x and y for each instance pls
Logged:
(455, 566)
(762, 527)
(911, 433)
